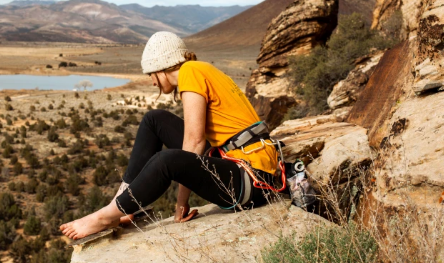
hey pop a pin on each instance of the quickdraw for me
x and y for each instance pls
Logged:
(256, 182)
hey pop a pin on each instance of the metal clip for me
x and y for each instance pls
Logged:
(253, 150)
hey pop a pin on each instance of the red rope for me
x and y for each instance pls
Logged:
(256, 182)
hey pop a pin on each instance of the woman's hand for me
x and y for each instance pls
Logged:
(183, 215)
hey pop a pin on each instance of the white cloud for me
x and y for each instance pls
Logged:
(150, 3)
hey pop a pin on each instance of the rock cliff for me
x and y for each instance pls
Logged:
(303, 25)
(216, 235)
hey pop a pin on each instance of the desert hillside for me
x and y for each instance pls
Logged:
(244, 30)
(95, 21)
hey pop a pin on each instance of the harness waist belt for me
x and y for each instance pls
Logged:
(250, 135)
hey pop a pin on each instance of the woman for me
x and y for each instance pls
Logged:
(215, 110)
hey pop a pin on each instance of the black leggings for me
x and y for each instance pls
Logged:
(151, 170)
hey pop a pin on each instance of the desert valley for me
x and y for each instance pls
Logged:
(351, 87)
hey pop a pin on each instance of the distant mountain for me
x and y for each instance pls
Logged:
(95, 21)
(192, 18)
(248, 28)
(243, 30)
(31, 2)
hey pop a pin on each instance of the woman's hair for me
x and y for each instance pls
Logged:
(189, 56)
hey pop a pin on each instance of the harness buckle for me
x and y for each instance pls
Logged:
(255, 149)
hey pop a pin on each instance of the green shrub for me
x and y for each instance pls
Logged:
(102, 140)
(52, 134)
(93, 201)
(325, 244)
(119, 129)
(11, 186)
(32, 226)
(8, 107)
(7, 234)
(18, 168)
(8, 208)
(61, 124)
(56, 206)
(315, 75)
(100, 176)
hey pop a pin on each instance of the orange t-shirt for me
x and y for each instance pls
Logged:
(228, 111)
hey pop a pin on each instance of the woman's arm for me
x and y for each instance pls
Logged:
(194, 108)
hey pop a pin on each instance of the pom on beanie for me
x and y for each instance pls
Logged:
(163, 50)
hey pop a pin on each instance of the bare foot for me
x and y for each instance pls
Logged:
(126, 220)
(91, 224)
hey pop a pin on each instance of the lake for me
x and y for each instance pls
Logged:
(57, 82)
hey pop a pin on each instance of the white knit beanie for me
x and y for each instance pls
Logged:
(163, 50)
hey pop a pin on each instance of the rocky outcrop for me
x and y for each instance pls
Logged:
(216, 235)
(336, 155)
(303, 25)
(429, 60)
(346, 91)
(379, 98)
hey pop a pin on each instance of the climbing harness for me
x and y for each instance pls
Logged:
(302, 194)
(255, 133)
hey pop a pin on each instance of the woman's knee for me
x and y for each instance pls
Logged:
(166, 162)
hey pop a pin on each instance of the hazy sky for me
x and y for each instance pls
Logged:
(150, 3)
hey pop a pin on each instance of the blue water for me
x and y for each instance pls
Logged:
(57, 82)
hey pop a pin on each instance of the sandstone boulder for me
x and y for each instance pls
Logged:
(429, 59)
(336, 155)
(216, 235)
(326, 146)
(345, 93)
(303, 25)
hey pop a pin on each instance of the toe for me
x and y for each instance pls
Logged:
(68, 232)
(72, 234)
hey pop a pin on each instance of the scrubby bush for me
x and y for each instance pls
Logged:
(18, 168)
(315, 75)
(102, 140)
(31, 186)
(11, 186)
(72, 184)
(94, 200)
(7, 234)
(119, 129)
(14, 160)
(56, 206)
(8, 208)
(77, 147)
(132, 119)
(52, 134)
(8, 107)
(122, 160)
(63, 64)
(7, 98)
(325, 244)
(100, 176)
(78, 124)
(32, 226)
(40, 126)
(61, 124)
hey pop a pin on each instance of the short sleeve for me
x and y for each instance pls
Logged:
(192, 79)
